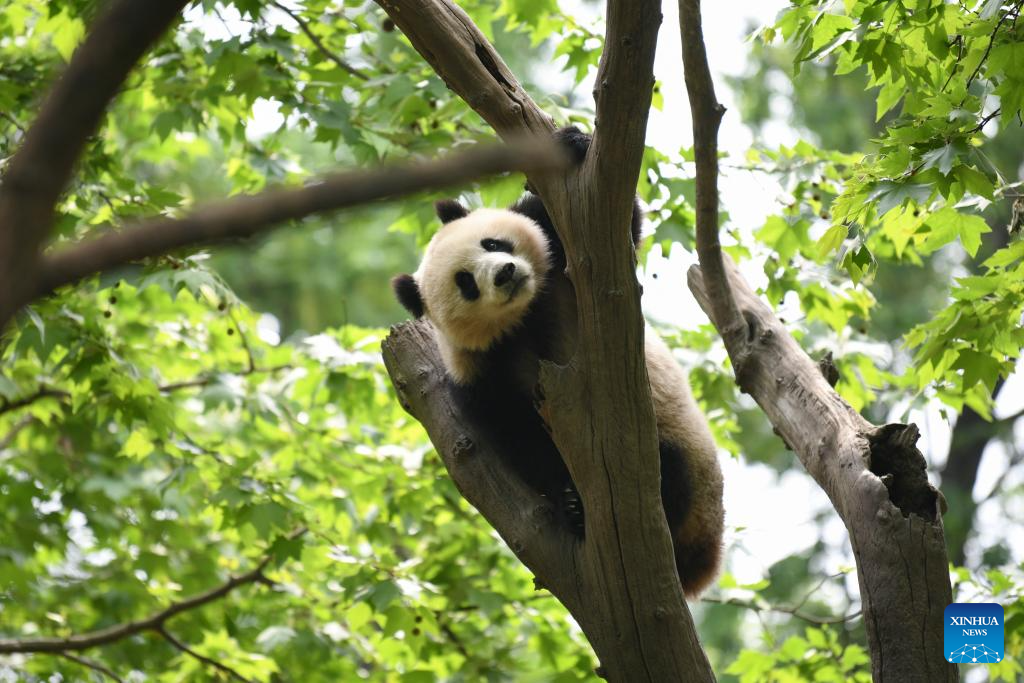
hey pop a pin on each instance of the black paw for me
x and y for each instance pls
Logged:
(575, 141)
(572, 509)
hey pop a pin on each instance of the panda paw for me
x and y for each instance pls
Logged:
(572, 509)
(575, 141)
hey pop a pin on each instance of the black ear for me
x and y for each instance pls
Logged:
(449, 210)
(408, 294)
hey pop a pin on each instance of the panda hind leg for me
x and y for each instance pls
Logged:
(697, 551)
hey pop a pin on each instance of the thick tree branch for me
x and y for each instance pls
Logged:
(72, 111)
(874, 476)
(598, 405)
(706, 117)
(622, 94)
(521, 516)
(154, 622)
(247, 216)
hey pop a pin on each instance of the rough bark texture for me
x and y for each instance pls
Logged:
(42, 166)
(246, 216)
(874, 476)
(620, 583)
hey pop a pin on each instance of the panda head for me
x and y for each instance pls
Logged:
(478, 276)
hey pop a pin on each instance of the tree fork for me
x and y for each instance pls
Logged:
(620, 583)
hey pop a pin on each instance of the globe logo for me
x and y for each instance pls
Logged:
(973, 633)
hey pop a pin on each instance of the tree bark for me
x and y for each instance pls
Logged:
(874, 476)
(246, 216)
(620, 582)
(71, 112)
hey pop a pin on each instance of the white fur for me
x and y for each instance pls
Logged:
(466, 328)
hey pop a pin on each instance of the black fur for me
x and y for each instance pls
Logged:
(577, 143)
(449, 210)
(466, 283)
(503, 400)
(408, 294)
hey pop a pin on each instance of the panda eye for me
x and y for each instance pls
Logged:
(490, 244)
(466, 283)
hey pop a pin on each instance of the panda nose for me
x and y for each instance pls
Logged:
(505, 274)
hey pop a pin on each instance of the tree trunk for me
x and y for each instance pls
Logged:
(620, 583)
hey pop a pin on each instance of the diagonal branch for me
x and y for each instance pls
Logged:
(154, 622)
(71, 113)
(305, 28)
(250, 215)
(875, 476)
(522, 517)
(91, 664)
(170, 638)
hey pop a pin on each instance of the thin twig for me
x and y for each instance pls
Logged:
(960, 55)
(13, 121)
(205, 380)
(997, 487)
(991, 40)
(18, 426)
(202, 658)
(245, 342)
(984, 121)
(197, 382)
(792, 611)
(304, 26)
(91, 664)
(43, 392)
(154, 622)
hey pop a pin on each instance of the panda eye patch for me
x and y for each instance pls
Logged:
(490, 244)
(466, 283)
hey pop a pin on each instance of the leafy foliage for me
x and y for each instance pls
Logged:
(946, 69)
(158, 434)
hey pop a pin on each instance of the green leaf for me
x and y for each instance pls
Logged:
(948, 224)
(831, 240)
(978, 367)
(138, 445)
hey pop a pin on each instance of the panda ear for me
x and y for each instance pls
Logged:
(408, 294)
(449, 210)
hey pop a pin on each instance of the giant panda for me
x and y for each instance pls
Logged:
(487, 283)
